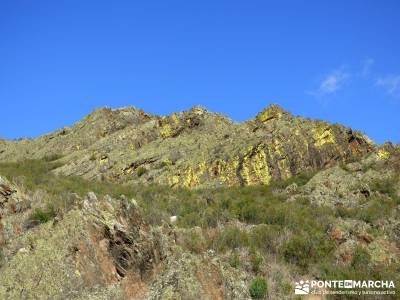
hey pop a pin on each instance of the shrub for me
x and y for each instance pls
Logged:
(231, 238)
(141, 171)
(387, 186)
(307, 248)
(234, 260)
(42, 216)
(375, 209)
(256, 260)
(361, 258)
(297, 251)
(194, 241)
(343, 166)
(265, 237)
(52, 157)
(2, 259)
(258, 288)
(250, 213)
(300, 179)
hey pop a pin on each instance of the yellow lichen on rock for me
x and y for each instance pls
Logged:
(255, 168)
(383, 154)
(245, 173)
(261, 168)
(166, 130)
(190, 177)
(173, 180)
(271, 112)
(278, 151)
(194, 174)
(323, 135)
(283, 165)
(224, 171)
(168, 126)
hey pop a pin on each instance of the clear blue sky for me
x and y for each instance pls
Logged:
(332, 60)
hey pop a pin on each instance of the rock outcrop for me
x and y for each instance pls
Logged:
(192, 149)
(99, 246)
(256, 219)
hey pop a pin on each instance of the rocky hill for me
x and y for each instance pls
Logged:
(128, 205)
(192, 149)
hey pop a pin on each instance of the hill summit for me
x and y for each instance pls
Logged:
(130, 205)
(192, 148)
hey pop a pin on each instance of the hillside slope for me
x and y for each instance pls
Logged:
(61, 240)
(192, 149)
(127, 205)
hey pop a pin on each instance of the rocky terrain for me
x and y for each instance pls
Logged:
(128, 205)
(192, 149)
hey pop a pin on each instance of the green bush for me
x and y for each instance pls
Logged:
(256, 260)
(305, 248)
(300, 179)
(42, 216)
(265, 237)
(234, 260)
(387, 186)
(52, 157)
(141, 171)
(361, 258)
(231, 238)
(376, 208)
(258, 288)
(1, 258)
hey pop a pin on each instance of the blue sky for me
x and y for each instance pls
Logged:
(333, 60)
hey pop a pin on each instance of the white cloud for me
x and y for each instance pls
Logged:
(391, 84)
(331, 83)
(366, 67)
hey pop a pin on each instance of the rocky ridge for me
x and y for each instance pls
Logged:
(192, 149)
(215, 205)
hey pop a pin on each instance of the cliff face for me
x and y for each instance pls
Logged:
(192, 149)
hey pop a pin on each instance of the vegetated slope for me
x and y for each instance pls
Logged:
(58, 240)
(276, 199)
(192, 149)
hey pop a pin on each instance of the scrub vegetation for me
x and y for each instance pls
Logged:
(249, 227)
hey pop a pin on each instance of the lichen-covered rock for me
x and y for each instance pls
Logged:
(192, 149)
(104, 248)
(98, 247)
(187, 276)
